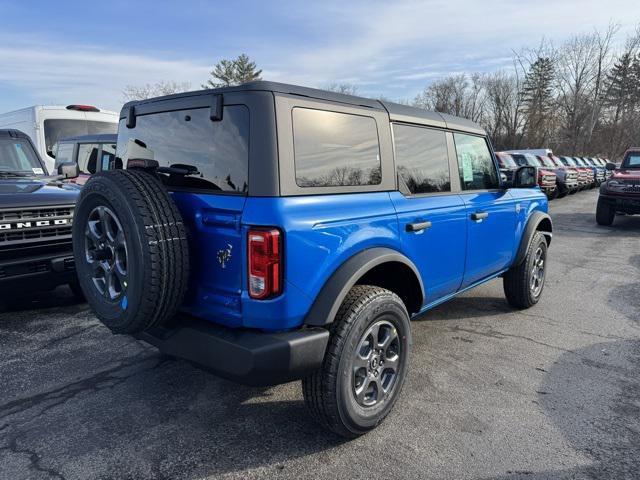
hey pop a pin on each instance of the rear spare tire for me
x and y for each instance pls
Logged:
(130, 249)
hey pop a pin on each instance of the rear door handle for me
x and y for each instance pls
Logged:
(479, 216)
(418, 226)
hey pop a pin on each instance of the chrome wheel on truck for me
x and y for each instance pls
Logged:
(537, 272)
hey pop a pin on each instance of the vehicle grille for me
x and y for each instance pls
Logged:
(34, 225)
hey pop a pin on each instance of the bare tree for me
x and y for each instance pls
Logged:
(150, 90)
(346, 88)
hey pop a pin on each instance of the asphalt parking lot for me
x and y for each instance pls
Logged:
(552, 392)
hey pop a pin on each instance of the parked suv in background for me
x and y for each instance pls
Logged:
(92, 154)
(621, 193)
(566, 178)
(585, 175)
(36, 212)
(46, 125)
(301, 230)
(546, 177)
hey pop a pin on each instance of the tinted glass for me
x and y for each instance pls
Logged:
(422, 159)
(64, 153)
(17, 155)
(56, 130)
(477, 169)
(108, 157)
(88, 157)
(218, 150)
(335, 149)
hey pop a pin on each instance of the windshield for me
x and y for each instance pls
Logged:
(56, 130)
(506, 161)
(568, 161)
(546, 162)
(17, 156)
(632, 160)
(533, 160)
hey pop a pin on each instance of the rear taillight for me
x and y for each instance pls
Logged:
(265, 263)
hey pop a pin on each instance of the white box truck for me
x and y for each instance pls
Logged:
(45, 125)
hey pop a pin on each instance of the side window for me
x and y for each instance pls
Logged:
(64, 153)
(422, 159)
(108, 157)
(88, 157)
(477, 170)
(335, 149)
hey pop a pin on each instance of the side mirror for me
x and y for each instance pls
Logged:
(69, 170)
(610, 166)
(525, 177)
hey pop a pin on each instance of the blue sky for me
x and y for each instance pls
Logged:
(87, 52)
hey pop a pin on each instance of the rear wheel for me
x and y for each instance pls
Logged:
(130, 250)
(605, 213)
(523, 283)
(365, 364)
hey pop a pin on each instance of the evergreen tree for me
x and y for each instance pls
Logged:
(537, 100)
(622, 80)
(233, 72)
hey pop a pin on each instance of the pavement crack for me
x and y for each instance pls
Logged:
(491, 333)
(35, 460)
(57, 340)
(54, 398)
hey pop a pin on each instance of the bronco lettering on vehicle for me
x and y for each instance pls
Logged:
(37, 224)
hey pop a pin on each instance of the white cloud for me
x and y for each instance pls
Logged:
(391, 48)
(58, 74)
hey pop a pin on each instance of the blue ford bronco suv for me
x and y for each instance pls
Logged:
(271, 233)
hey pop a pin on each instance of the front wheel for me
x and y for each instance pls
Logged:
(605, 213)
(365, 363)
(523, 283)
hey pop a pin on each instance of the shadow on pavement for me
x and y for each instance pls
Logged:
(591, 396)
(60, 297)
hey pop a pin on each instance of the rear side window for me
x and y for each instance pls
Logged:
(477, 169)
(422, 159)
(218, 150)
(108, 157)
(88, 157)
(335, 149)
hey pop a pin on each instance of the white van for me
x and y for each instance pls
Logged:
(48, 124)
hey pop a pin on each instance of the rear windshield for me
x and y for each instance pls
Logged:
(56, 130)
(219, 150)
(17, 155)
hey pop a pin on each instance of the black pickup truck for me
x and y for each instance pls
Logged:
(36, 212)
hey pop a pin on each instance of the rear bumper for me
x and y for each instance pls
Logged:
(36, 272)
(246, 356)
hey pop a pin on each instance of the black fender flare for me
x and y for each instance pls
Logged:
(335, 289)
(533, 224)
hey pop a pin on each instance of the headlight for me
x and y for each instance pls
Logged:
(615, 185)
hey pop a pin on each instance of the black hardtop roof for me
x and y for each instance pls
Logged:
(397, 112)
(97, 138)
(10, 132)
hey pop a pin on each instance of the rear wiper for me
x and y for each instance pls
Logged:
(179, 169)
